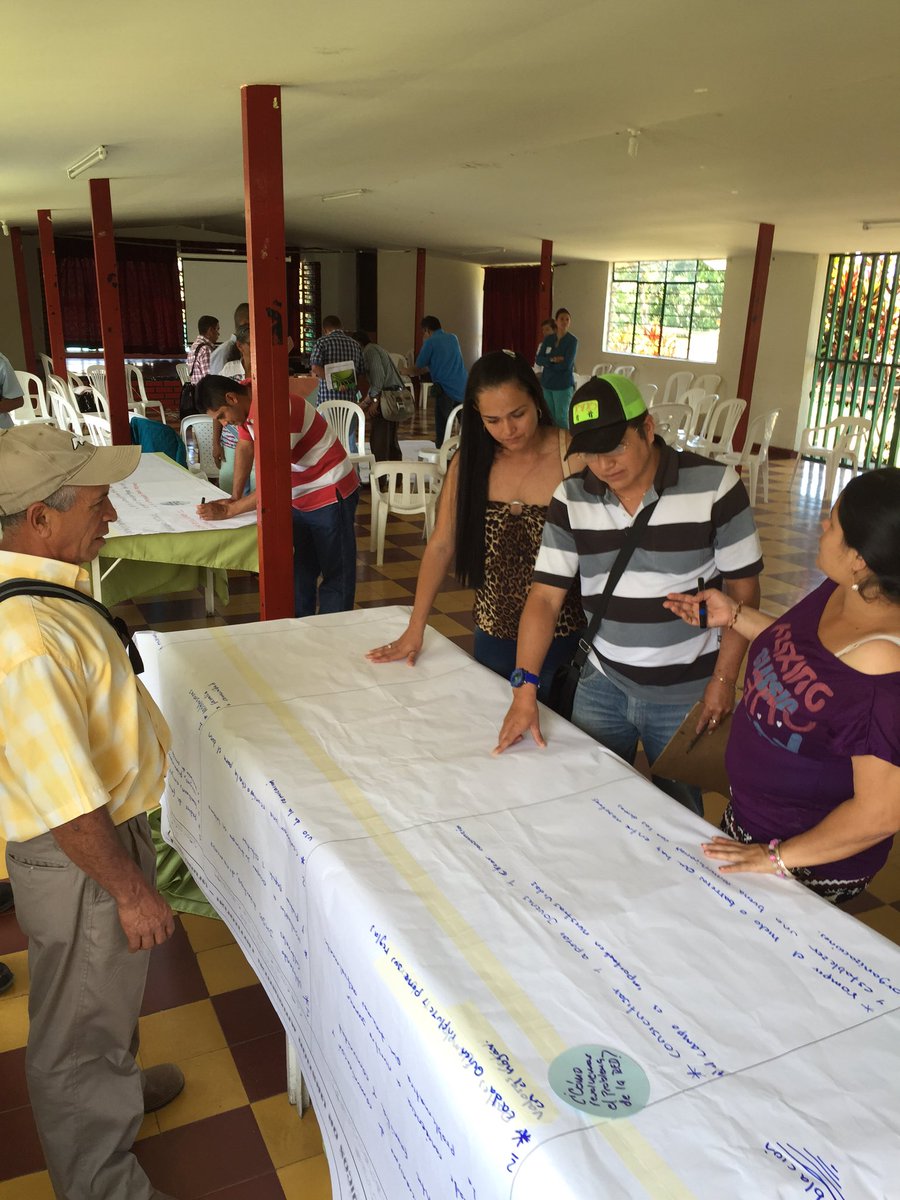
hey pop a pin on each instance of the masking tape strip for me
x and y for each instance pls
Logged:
(654, 1174)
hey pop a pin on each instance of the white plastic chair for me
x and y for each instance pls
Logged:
(602, 369)
(834, 441)
(183, 373)
(98, 429)
(579, 379)
(100, 402)
(342, 416)
(35, 407)
(718, 429)
(676, 385)
(451, 429)
(760, 431)
(47, 364)
(200, 427)
(134, 379)
(628, 372)
(399, 360)
(97, 379)
(709, 383)
(62, 405)
(412, 488)
(448, 449)
(701, 404)
(648, 391)
(672, 422)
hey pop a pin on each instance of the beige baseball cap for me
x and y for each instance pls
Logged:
(36, 459)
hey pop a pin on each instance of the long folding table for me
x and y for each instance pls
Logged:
(514, 976)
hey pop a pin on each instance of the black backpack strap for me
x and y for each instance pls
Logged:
(58, 591)
(626, 550)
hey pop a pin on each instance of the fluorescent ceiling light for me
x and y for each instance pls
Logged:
(84, 164)
(346, 195)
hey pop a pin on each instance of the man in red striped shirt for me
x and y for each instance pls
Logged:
(324, 494)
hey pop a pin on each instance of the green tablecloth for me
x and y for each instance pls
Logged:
(153, 563)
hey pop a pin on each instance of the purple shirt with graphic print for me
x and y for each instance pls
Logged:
(803, 716)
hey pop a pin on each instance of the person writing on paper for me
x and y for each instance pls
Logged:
(645, 672)
(324, 494)
(490, 516)
(814, 749)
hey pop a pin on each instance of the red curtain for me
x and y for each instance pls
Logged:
(149, 296)
(512, 310)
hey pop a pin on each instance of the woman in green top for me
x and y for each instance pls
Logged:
(556, 357)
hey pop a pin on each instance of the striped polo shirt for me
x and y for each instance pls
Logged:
(320, 469)
(702, 527)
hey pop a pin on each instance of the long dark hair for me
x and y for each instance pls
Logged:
(476, 455)
(869, 516)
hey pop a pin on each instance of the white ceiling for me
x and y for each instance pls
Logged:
(476, 128)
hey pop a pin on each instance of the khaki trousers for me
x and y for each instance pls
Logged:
(84, 1001)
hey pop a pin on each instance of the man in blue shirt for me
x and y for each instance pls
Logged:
(10, 392)
(442, 358)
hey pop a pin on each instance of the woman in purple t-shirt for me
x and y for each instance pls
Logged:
(814, 750)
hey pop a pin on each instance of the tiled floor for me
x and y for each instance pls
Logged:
(231, 1134)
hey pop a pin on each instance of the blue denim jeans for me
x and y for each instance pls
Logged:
(618, 720)
(325, 558)
(499, 654)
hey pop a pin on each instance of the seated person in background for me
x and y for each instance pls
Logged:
(490, 517)
(324, 494)
(11, 396)
(814, 750)
(225, 437)
(225, 353)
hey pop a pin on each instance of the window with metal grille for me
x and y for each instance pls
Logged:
(857, 355)
(310, 304)
(668, 308)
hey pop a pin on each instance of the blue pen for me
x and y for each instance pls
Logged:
(701, 612)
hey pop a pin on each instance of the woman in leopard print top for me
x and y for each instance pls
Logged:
(491, 515)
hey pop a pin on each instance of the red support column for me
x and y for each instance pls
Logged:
(546, 279)
(420, 299)
(15, 237)
(755, 307)
(110, 312)
(264, 214)
(51, 292)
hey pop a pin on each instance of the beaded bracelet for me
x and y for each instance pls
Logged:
(776, 860)
(735, 615)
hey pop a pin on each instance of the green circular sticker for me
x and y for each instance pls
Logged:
(600, 1080)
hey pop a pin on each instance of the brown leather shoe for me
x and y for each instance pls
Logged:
(161, 1085)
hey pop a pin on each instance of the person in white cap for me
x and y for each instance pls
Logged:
(82, 757)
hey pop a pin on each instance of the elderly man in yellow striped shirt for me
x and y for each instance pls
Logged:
(82, 758)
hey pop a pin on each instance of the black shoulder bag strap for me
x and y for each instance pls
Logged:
(628, 548)
(37, 587)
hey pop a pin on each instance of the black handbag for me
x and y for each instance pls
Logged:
(566, 677)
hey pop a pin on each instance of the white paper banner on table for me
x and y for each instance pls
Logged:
(437, 927)
(161, 497)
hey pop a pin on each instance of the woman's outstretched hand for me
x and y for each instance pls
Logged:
(719, 607)
(739, 856)
(408, 646)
